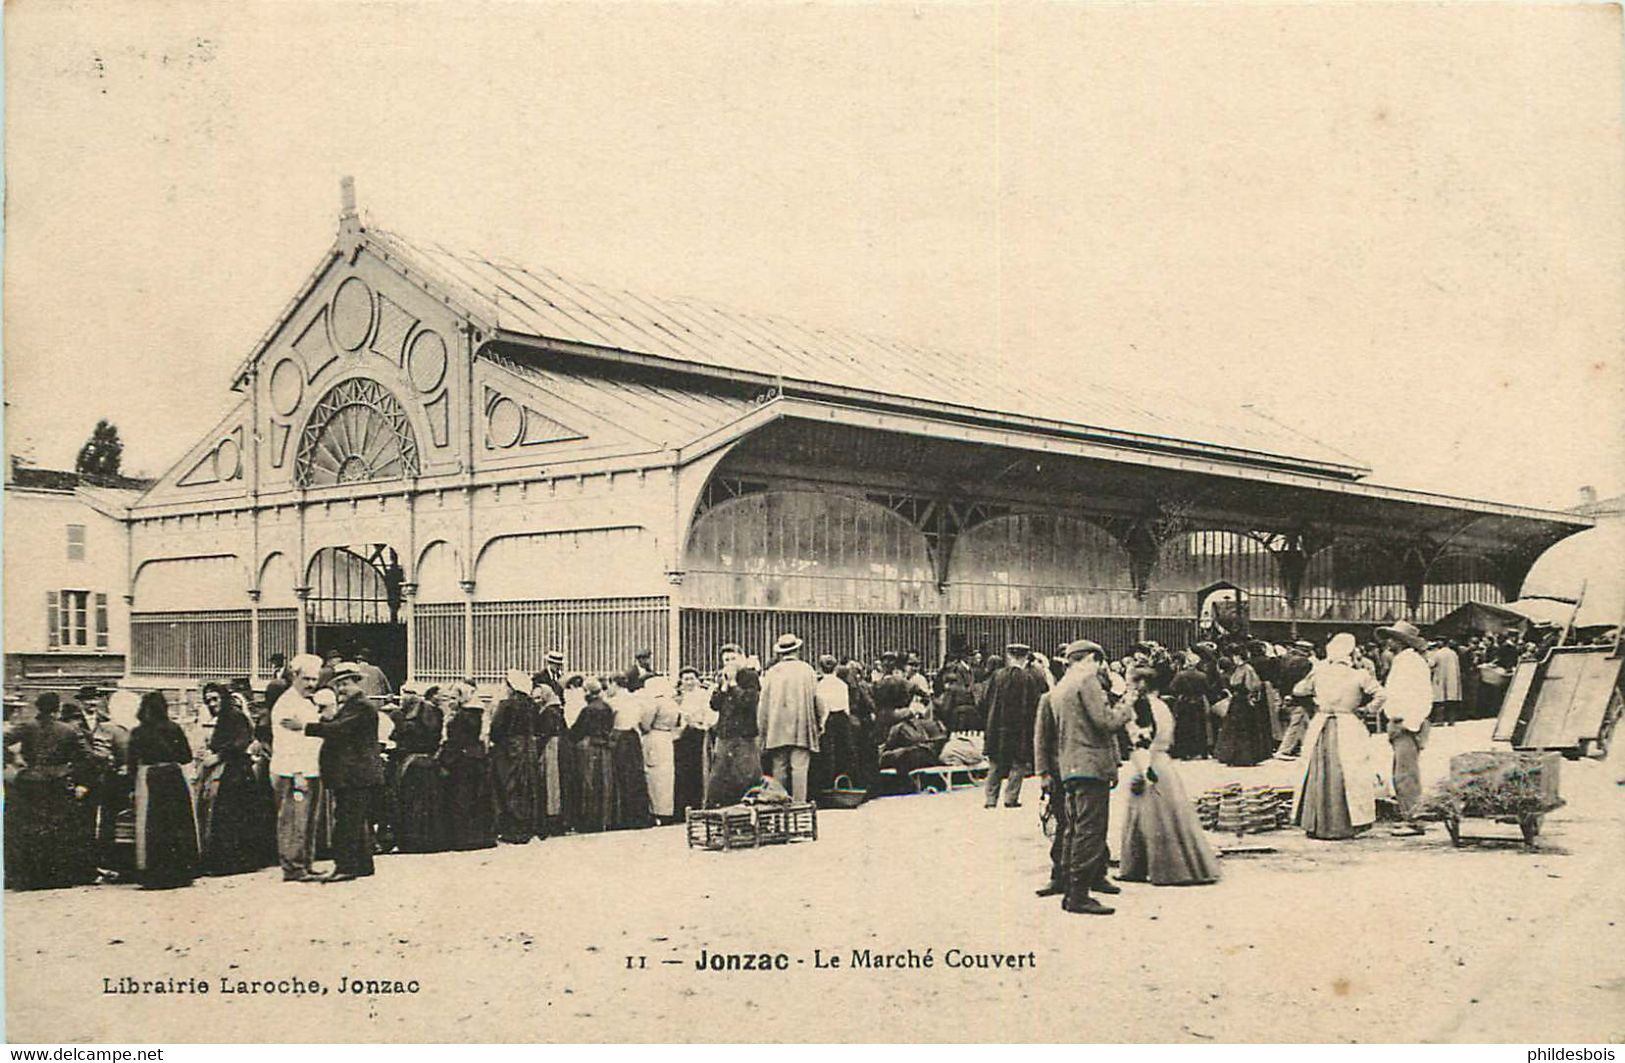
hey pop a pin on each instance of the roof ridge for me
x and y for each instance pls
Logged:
(698, 330)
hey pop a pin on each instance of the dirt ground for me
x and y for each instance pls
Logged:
(1376, 939)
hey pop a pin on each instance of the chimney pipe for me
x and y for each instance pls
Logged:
(347, 197)
(1588, 495)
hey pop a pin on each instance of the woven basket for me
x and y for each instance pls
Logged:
(842, 794)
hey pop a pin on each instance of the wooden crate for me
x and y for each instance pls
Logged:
(779, 824)
(734, 827)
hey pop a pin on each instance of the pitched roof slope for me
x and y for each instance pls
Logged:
(544, 304)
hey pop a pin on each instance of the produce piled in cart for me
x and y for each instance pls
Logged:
(1508, 787)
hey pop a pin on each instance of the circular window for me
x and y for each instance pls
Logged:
(504, 423)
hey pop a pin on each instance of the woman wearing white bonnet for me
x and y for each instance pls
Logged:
(1336, 799)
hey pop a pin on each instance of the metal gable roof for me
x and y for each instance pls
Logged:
(666, 417)
(540, 303)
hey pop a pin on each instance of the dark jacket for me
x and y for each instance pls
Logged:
(1076, 737)
(233, 732)
(515, 716)
(350, 745)
(736, 711)
(49, 743)
(1190, 687)
(546, 677)
(418, 729)
(1294, 670)
(158, 742)
(1010, 704)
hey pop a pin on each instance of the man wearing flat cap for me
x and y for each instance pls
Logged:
(641, 672)
(787, 716)
(917, 681)
(1009, 706)
(1076, 746)
(350, 767)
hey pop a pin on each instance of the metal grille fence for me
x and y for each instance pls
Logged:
(594, 634)
(279, 632)
(867, 635)
(437, 641)
(191, 645)
(1172, 632)
(861, 635)
(1045, 633)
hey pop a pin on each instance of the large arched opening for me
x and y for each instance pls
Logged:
(846, 574)
(353, 605)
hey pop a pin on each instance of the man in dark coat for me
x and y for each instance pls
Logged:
(553, 675)
(107, 777)
(1010, 705)
(45, 837)
(352, 770)
(641, 672)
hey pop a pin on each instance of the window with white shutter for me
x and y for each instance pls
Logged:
(101, 621)
(73, 619)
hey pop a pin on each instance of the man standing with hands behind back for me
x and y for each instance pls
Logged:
(351, 768)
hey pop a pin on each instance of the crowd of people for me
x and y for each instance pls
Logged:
(330, 763)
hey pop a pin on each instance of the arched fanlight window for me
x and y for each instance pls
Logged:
(357, 433)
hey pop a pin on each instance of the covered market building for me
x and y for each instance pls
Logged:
(461, 464)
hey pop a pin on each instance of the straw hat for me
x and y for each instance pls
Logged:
(1406, 632)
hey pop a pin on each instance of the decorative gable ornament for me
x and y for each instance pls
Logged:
(357, 433)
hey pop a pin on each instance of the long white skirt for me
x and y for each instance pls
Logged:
(660, 765)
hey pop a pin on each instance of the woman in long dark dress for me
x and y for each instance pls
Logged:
(470, 814)
(1188, 690)
(1245, 737)
(555, 755)
(865, 742)
(419, 812)
(515, 770)
(1162, 841)
(595, 809)
(46, 845)
(236, 819)
(736, 763)
(632, 809)
(166, 851)
(688, 750)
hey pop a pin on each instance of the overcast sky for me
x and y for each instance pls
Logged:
(1399, 228)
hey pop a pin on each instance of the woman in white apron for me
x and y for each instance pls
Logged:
(1336, 799)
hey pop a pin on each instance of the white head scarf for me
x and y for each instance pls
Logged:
(1341, 647)
(122, 706)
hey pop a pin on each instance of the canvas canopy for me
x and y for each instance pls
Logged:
(1481, 617)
